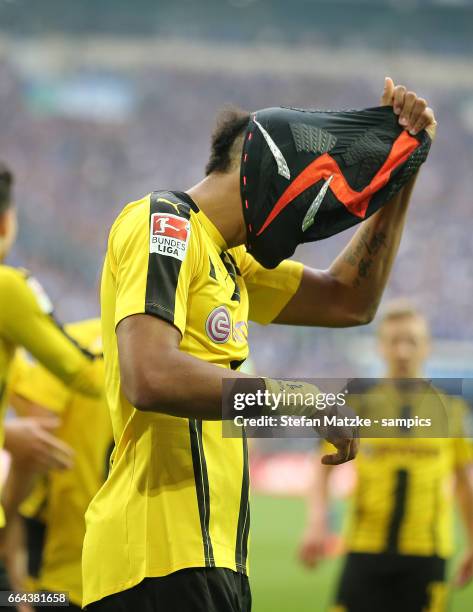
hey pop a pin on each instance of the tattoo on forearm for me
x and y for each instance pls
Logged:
(363, 253)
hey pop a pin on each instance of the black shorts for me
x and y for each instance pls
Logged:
(206, 589)
(392, 583)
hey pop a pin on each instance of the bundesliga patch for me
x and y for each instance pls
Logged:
(169, 235)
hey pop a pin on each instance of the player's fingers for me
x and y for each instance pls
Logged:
(309, 554)
(41, 462)
(56, 445)
(336, 458)
(54, 453)
(425, 120)
(346, 451)
(460, 579)
(310, 561)
(48, 422)
(407, 108)
(416, 112)
(388, 91)
(355, 445)
(464, 574)
(59, 462)
(398, 98)
(58, 448)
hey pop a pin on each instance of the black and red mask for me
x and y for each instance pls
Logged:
(307, 175)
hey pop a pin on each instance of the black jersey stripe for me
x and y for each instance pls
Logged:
(236, 363)
(232, 259)
(202, 487)
(163, 271)
(35, 532)
(58, 324)
(182, 195)
(108, 459)
(399, 508)
(212, 273)
(243, 528)
(435, 515)
(73, 341)
(232, 270)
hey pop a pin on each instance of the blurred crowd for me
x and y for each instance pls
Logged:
(76, 169)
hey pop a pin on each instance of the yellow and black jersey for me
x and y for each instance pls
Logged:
(403, 501)
(26, 320)
(59, 500)
(177, 494)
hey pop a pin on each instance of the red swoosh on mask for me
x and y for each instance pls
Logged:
(355, 201)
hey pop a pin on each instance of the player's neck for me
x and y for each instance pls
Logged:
(218, 196)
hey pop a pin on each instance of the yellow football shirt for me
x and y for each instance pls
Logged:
(26, 320)
(403, 501)
(60, 499)
(177, 494)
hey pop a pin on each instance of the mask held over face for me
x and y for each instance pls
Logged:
(307, 175)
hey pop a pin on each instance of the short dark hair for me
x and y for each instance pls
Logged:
(230, 124)
(6, 183)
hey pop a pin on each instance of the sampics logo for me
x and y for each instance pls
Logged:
(169, 235)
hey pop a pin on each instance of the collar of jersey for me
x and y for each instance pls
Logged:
(212, 231)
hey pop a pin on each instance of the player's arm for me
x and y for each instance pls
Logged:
(349, 291)
(156, 376)
(464, 495)
(15, 558)
(39, 400)
(30, 438)
(27, 322)
(314, 540)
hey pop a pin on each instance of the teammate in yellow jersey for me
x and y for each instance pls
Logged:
(399, 532)
(54, 510)
(169, 528)
(26, 320)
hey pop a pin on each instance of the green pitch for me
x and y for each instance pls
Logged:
(279, 583)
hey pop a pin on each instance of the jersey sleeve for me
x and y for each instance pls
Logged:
(36, 384)
(154, 257)
(26, 320)
(269, 290)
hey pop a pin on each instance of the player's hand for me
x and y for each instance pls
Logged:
(30, 440)
(343, 437)
(464, 573)
(347, 449)
(414, 112)
(313, 547)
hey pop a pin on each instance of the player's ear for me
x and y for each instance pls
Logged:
(3, 224)
(8, 230)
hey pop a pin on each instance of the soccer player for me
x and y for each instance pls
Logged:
(169, 528)
(55, 508)
(399, 534)
(26, 320)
